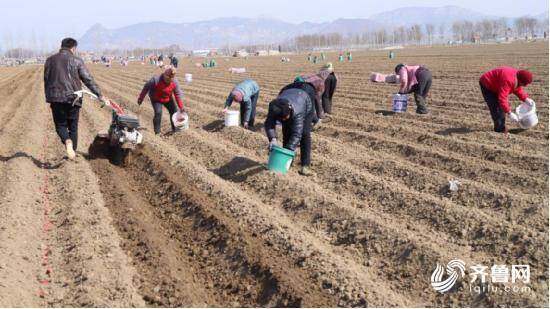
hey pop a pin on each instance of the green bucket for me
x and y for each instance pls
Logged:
(280, 159)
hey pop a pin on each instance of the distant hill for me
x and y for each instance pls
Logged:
(422, 15)
(247, 31)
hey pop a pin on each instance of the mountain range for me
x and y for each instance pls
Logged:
(247, 31)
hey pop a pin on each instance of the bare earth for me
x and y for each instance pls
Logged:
(194, 219)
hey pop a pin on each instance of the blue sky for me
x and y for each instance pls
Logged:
(37, 22)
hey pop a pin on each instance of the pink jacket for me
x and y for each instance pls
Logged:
(407, 75)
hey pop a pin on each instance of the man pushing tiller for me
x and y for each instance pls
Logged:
(63, 73)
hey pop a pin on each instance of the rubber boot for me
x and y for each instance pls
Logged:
(306, 171)
(70, 151)
(316, 125)
(421, 106)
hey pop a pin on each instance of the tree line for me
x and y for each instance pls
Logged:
(459, 32)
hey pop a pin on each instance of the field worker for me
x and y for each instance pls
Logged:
(246, 93)
(300, 83)
(294, 109)
(63, 73)
(160, 61)
(330, 87)
(318, 82)
(496, 85)
(160, 89)
(174, 61)
(417, 79)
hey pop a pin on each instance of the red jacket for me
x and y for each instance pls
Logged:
(160, 91)
(503, 81)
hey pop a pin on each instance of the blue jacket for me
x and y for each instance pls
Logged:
(248, 88)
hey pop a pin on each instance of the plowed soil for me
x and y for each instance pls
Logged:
(195, 219)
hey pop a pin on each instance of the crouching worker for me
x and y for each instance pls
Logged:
(63, 74)
(294, 109)
(246, 93)
(160, 89)
(496, 85)
(417, 79)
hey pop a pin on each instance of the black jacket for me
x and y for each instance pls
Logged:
(301, 105)
(174, 62)
(62, 75)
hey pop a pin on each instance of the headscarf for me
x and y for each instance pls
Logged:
(328, 67)
(169, 71)
(524, 77)
(237, 95)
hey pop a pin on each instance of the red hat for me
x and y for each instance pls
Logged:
(524, 77)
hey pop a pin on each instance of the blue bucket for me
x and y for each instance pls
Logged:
(400, 103)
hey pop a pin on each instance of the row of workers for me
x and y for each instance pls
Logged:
(299, 106)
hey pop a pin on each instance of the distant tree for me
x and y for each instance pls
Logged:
(19, 53)
(457, 31)
(430, 28)
(486, 29)
(441, 31)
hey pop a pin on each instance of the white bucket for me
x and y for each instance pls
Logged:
(181, 120)
(232, 118)
(400, 103)
(527, 115)
(188, 77)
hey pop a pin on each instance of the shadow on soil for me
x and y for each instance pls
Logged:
(100, 149)
(239, 169)
(384, 113)
(38, 163)
(214, 126)
(451, 131)
(516, 131)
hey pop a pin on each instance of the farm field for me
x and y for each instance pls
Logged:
(195, 219)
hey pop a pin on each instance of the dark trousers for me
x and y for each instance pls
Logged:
(498, 116)
(315, 117)
(330, 87)
(424, 78)
(65, 117)
(305, 141)
(157, 107)
(253, 102)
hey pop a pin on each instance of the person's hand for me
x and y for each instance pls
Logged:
(272, 143)
(223, 112)
(530, 102)
(104, 101)
(245, 124)
(513, 116)
(139, 101)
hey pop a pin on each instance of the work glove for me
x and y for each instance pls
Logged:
(513, 116)
(104, 102)
(272, 143)
(530, 102)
